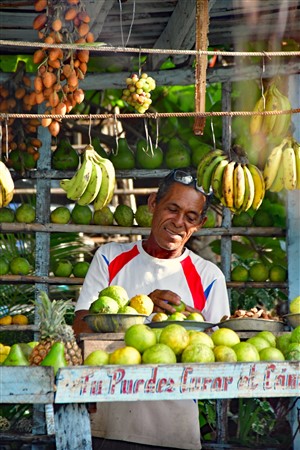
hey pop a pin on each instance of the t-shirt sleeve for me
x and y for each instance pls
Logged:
(217, 302)
(95, 280)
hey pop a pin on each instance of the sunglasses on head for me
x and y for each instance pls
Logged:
(186, 178)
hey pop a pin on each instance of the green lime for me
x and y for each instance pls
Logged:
(239, 273)
(19, 266)
(243, 219)
(259, 272)
(61, 214)
(62, 268)
(6, 215)
(277, 273)
(211, 219)
(4, 266)
(143, 216)
(80, 269)
(262, 219)
(25, 213)
(124, 216)
(103, 217)
(81, 214)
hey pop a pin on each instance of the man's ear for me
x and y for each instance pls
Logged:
(152, 201)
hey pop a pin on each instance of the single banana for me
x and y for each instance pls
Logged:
(65, 184)
(208, 171)
(256, 121)
(93, 186)
(272, 164)
(249, 190)
(6, 184)
(259, 184)
(107, 188)
(216, 179)
(205, 161)
(227, 185)
(296, 148)
(238, 186)
(289, 168)
(278, 183)
(283, 121)
(273, 103)
(81, 179)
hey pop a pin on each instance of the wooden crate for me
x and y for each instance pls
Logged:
(100, 341)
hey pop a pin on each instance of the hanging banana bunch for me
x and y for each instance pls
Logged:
(6, 185)
(282, 168)
(274, 125)
(93, 182)
(237, 184)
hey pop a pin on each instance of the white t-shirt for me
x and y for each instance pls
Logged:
(200, 284)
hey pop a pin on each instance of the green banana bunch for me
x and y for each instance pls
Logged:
(282, 168)
(276, 125)
(93, 182)
(6, 185)
(237, 184)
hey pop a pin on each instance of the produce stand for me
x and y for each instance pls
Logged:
(75, 387)
(67, 395)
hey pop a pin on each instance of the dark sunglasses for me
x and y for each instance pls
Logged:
(186, 178)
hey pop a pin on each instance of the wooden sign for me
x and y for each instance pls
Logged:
(178, 381)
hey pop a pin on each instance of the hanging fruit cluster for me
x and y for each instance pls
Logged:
(19, 136)
(282, 168)
(237, 184)
(137, 93)
(60, 70)
(276, 125)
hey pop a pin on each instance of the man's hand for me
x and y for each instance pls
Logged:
(164, 299)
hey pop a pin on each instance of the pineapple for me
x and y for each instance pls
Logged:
(53, 328)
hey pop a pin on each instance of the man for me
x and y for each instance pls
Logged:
(165, 270)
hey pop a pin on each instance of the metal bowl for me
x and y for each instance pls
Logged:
(113, 323)
(188, 324)
(249, 324)
(292, 319)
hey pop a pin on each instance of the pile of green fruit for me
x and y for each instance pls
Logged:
(175, 344)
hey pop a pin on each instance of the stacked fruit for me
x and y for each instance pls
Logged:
(282, 168)
(19, 140)
(4, 351)
(60, 71)
(176, 344)
(137, 93)
(93, 182)
(276, 124)
(6, 185)
(236, 183)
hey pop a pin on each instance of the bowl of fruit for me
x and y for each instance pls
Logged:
(113, 323)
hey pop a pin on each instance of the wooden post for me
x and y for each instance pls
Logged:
(202, 21)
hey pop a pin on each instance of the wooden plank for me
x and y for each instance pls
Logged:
(22, 384)
(177, 382)
(73, 429)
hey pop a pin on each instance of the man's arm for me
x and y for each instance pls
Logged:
(79, 325)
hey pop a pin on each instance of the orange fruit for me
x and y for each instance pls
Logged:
(6, 320)
(20, 319)
(125, 355)
(142, 304)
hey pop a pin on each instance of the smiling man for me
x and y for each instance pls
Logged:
(165, 270)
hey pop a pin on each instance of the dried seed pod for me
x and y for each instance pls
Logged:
(70, 14)
(78, 95)
(39, 5)
(61, 109)
(83, 29)
(20, 92)
(83, 56)
(84, 17)
(49, 78)
(57, 25)
(46, 121)
(90, 37)
(54, 128)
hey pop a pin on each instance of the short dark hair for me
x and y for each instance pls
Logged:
(171, 179)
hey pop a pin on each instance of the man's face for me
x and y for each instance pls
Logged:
(176, 217)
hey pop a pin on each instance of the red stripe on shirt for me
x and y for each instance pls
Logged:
(120, 261)
(194, 282)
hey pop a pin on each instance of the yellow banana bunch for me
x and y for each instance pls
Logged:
(237, 184)
(93, 182)
(282, 168)
(274, 124)
(6, 185)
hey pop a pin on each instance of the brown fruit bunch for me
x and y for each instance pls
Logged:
(19, 136)
(60, 70)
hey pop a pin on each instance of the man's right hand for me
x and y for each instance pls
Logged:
(163, 300)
